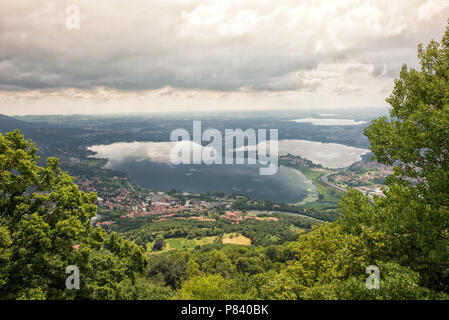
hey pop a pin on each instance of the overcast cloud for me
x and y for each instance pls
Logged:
(218, 53)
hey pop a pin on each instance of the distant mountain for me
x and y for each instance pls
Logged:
(55, 137)
(10, 124)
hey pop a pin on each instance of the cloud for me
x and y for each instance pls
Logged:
(211, 45)
(195, 49)
(326, 154)
(159, 152)
(345, 89)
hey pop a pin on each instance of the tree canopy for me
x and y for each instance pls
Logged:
(45, 227)
(413, 216)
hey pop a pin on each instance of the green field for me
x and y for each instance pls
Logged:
(190, 244)
(182, 243)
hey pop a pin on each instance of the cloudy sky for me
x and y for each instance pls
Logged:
(168, 55)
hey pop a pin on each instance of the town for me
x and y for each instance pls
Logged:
(117, 197)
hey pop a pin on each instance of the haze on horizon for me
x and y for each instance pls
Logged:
(181, 55)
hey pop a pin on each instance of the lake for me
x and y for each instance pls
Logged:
(330, 155)
(148, 164)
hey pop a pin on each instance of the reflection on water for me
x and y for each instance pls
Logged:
(330, 155)
(287, 185)
(148, 164)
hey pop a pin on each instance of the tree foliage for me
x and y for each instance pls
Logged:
(45, 227)
(413, 216)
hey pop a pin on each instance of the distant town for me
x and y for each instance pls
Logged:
(118, 195)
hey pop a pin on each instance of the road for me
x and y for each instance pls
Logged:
(324, 180)
(131, 187)
(302, 215)
(289, 213)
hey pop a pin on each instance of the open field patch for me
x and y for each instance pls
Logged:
(236, 238)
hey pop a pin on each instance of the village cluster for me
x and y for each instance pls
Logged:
(118, 196)
(368, 178)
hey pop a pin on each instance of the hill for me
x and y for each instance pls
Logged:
(10, 124)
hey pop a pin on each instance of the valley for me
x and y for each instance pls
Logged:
(269, 210)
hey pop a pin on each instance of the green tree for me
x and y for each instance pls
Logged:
(45, 227)
(170, 267)
(143, 289)
(272, 286)
(415, 138)
(396, 283)
(413, 216)
(325, 255)
(210, 287)
(158, 243)
(218, 262)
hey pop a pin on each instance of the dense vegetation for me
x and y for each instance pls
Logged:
(260, 232)
(325, 215)
(44, 225)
